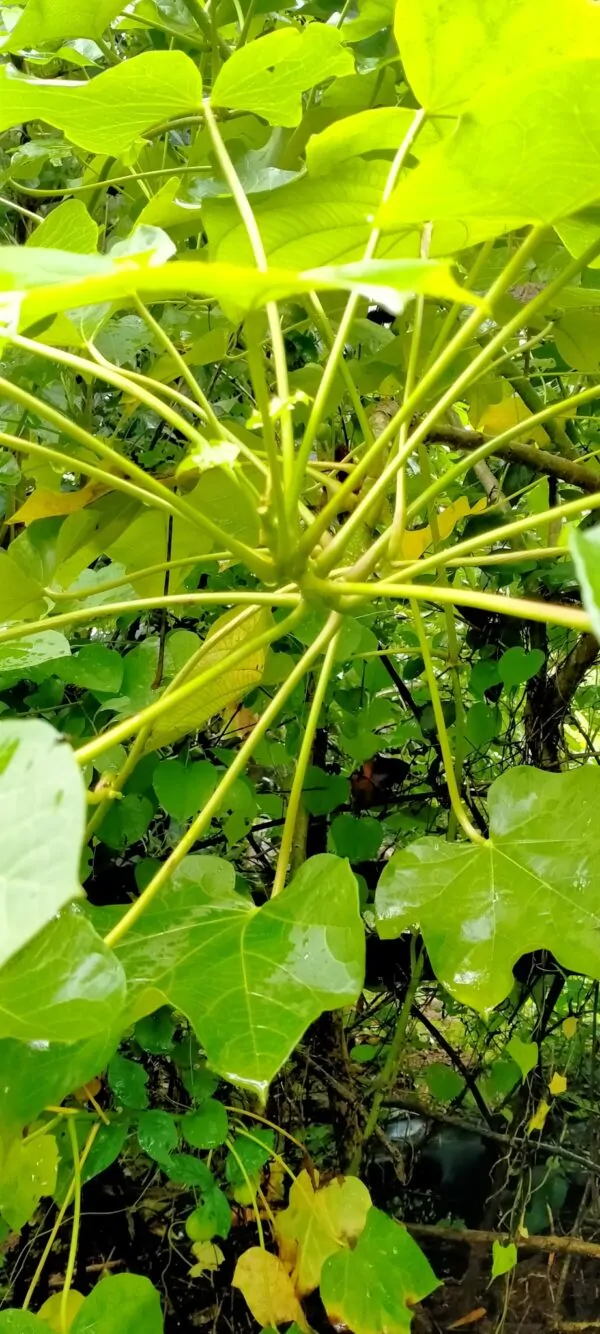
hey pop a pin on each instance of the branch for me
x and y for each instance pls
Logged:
(539, 460)
(479, 1237)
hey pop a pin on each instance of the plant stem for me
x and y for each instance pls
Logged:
(302, 764)
(204, 817)
(337, 349)
(70, 1269)
(59, 1217)
(552, 613)
(182, 366)
(390, 1070)
(132, 576)
(456, 801)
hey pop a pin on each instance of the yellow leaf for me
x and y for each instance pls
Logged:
(317, 1223)
(538, 1119)
(416, 541)
(51, 1310)
(209, 1257)
(509, 412)
(472, 1318)
(190, 714)
(557, 1085)
(569, 1026)
(267, 1288)
(44, 504)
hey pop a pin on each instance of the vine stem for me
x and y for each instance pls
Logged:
(121, 731)
(60, 1215)
(456, 801)
(251, 1191)
(204, 817)
(399, 518)
(131, 576)
(302, 764)
(279, 355)
(70, 1269)
(389, 1073)
(167, 343)
(337, 349)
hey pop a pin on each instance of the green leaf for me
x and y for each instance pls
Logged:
(126, 821)
(577, 337)
(323, 792)
(208, 1127)
(443, 1082)
(451, 51)
(21, 1322)
(183, 789)
(42, 814)
(231, 686)
(33, 1075)
(517, 665)
(19, 592)
(94, 667)
(504, 1258)
(28, 1171)
(53, 21)
(482, 724)
(157, 1135)
(68, 227)
(253, 1154)
(269, 75)
(24, 655)
(128, 1081)
(379, 130)
(120, 1304)
(528, 164)
(524, 1054)
(64, 985)
(372, 1288)
(357, 837)
(211, 1218)
(532, 885)
(212, 963)
(584, 545)
(109, 113)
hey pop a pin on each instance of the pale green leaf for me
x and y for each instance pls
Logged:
(27, 1171)
(269, 75)
(380, 129)
(250, 980)
(450, 51)
(63, 986)
(533, 885)
(68, 227)
(120, 1304)
(53, 21)
(373, 1288)
(21, 1322)
(231, 686)
(584, 544)
(34, 1075)
(524, 1054)
(109, 113)
(24, 655)
(577, 337)
(42, 814)
(504, 1258)
(18, 591)
(521, 154)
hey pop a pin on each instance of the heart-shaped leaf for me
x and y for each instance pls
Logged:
(371, 1289)
(250, 980)
(533, 885)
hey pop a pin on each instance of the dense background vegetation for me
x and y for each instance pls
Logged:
(300, 619)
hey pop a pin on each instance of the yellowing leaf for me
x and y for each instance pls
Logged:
(44, 504)
(509, 412)
(471, 1318)
(267, 1288)
(569, 1026)
(557, 1085)
(191, 713)
(317, 1223)
(417, 540)
(51, 1311)
(209, 1257)
(538, 1119)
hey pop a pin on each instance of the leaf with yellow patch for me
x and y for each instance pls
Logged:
(52, 1313)
(373, 1288)
(190, 714)
(569, 1026)
(317, 1223)
(209, 1258)
(557, 1085)
(44, 504)
(510, 411)
(267, 1288)
(416, 541)
(538, 1119)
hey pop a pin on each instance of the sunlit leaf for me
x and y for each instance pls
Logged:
(43, 504)
(504, 1258)
(212, 964)
(584, 544)
(53, 21)
(520, 155)
(53, 1310)
(532, 885)
(269, 75)
(67, 227)
(27, 1171)
(120, 1304)
(109, 113)
(42, 811)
